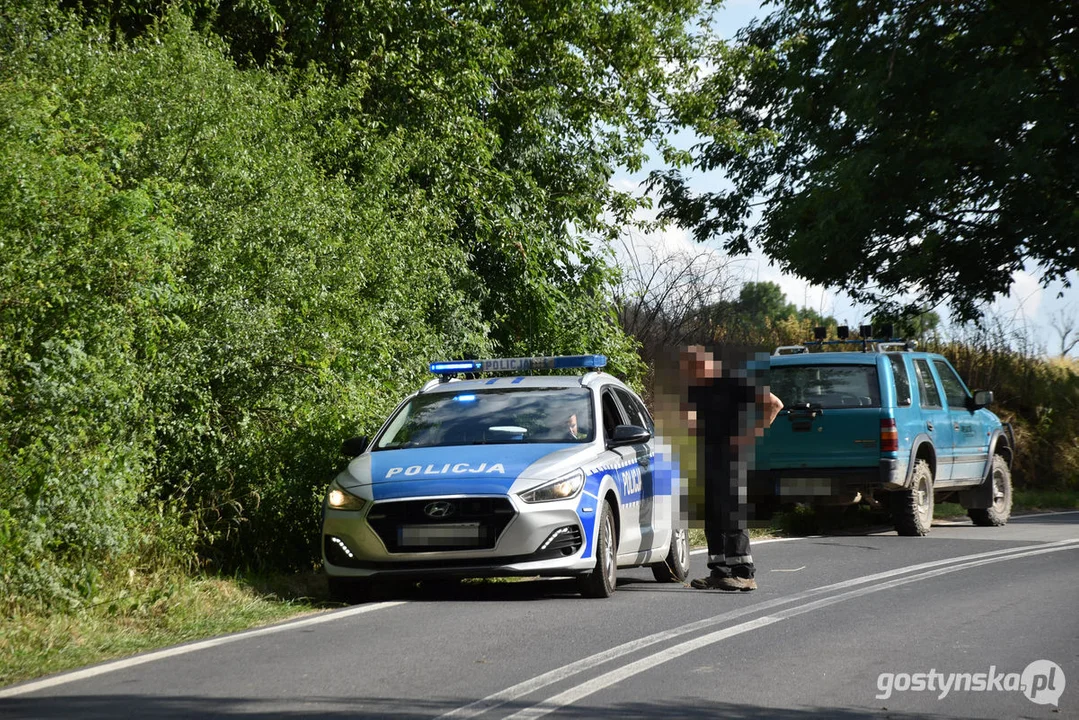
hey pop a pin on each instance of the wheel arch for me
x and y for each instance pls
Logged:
(999, 445)
(611, 499)
(922, 449)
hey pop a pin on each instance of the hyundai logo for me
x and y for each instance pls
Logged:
(439, 509)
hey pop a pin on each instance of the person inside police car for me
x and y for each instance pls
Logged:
(573, 432)
(726, 413)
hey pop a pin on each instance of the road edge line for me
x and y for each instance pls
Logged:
(152, 656)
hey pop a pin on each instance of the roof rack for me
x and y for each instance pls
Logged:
(865, 345)
(883, 342)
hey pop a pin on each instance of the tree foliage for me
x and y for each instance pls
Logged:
(231, 235)
(895, 147)
(666, 299)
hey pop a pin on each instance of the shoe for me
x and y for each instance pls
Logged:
(728, 584)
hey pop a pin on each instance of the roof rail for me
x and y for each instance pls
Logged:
(897, 346)
(790, 350)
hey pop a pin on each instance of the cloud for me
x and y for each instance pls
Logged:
(1025, 299)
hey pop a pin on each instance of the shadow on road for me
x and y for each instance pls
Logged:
(522, 590)
(362, 708)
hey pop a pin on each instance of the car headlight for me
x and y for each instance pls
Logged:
(563, 488)
(340, 499)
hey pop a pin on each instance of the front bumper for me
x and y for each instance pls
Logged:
(487, 536)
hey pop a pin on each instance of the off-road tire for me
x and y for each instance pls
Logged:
(600, 583)
(1001, 510)
(675, 567)
(912, 510)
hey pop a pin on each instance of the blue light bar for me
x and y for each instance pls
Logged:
(454, 366)
(553, 362)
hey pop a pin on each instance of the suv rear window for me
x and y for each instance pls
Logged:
(826, 386)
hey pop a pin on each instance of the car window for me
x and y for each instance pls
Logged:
(826, 386)
(634, 409)
(954, 389)
(485, 417)
(902, 380)
(928, 397)
(612, 416)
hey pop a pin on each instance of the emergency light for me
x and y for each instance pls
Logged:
(552, 362)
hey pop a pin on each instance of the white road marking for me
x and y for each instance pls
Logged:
(521, 689)
(625, 672)
(184, 649)
(797, 569)
(574, 669)
(1045, 514)
(107, 667)
(704, 551)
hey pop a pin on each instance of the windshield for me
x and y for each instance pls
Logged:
(486, 417)
(826, 386)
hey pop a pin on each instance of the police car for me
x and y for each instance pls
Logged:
(502, 473)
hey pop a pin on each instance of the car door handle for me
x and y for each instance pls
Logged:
(929, 425)
(955, 426)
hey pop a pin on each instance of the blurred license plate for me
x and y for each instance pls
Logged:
(805, 487)
(439, 535)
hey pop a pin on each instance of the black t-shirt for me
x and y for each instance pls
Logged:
(719, 402)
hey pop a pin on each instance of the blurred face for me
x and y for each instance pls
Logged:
(572, 424)
(698, 364)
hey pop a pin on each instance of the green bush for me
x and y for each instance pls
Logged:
(208, 278)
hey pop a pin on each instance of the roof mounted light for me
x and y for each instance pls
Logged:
(455, 366)
(551, 362)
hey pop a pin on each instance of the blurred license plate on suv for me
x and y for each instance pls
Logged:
(439, 535)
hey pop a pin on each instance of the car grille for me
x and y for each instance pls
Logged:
(438, 524)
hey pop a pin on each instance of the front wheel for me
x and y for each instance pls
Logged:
(1001, 509)
(912, 510)
(675, 568)
(600, 583)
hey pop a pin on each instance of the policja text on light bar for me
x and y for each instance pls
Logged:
(552, 362)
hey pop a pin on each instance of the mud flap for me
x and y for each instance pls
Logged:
(979, 497)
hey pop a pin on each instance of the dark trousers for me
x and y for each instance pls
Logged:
(724, 514)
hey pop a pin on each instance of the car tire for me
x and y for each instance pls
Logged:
(912, 510)
(351, 591)
(600, 583)
(1001, 510)
(675, 567)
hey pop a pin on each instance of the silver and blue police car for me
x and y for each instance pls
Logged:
(507, 475)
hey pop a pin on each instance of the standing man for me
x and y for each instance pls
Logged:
(727, 415)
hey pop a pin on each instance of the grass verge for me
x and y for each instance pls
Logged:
(161, 611)
(1045, 500)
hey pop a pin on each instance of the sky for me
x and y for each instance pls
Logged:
(1027, 312)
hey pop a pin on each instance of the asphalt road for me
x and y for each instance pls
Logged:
(852, 626)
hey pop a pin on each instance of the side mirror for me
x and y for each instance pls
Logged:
(982, 398)
(629, 435)
(354, 446)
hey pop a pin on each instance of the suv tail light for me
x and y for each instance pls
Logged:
(889, 436)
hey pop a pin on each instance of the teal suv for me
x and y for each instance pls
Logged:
(884, 425)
